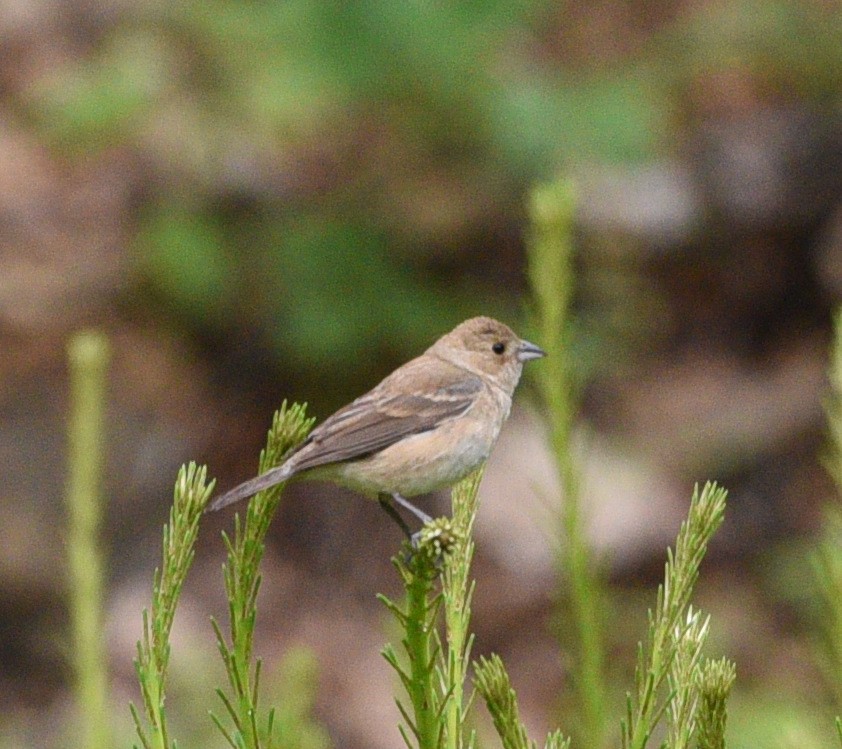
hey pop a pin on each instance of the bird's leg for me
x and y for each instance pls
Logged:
(414, 538)
(407, 505)
(390, 509)
(385, 501)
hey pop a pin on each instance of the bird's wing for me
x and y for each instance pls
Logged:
(391, 412)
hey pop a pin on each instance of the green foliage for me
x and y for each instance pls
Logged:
(551, 276)
(264, 201)
(492, 682)
(676, 633)
(457, 593)
(289, 726)
(242, 582)
(184, 255)
(715, 682)
(437, 668)
(191, 495)
(88, 355)
(417, 618)
(682, 679)
(673, 629)
(437, 672)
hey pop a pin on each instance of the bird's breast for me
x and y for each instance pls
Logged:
(430, 460)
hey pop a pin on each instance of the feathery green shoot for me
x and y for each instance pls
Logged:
(457, 592)
(715, 683)
(242, 583)
(190, 497)
(493, 684)
(422, 727)
(435, 673)
(683, 678)
(669, 623)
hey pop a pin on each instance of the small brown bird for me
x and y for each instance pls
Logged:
(426, 426)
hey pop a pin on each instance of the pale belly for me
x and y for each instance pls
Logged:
(421, 463)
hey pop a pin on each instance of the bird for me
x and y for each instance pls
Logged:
(426, 426)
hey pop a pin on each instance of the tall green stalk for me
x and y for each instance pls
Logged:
(434, 669)
(457, 594)
(670, 627)
(551, 276)
(423, 726)
(88, 355)
(242, 584)
(190, 497)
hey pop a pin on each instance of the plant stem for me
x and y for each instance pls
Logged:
(457, 592)
(242, 583)
(190, 497)
(435, 677)
(420, 645)
(551, 275)
(88, 354)
(668, 623)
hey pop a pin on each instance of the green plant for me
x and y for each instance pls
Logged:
(492, 682)
(242, 583)
(716, 678)
(550, 255)
(191, 495)
(88, 355)
(671, 659)
(675, 634)
(436, 668)
(672, 679)
(423, 727)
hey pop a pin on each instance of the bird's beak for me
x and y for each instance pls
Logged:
(527, 351)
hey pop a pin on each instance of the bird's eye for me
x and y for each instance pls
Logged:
(498, 348)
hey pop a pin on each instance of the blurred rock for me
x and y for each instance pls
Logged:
(711, 411)
(769, 168)
(755, 170)
(630, 506)
(658, 203)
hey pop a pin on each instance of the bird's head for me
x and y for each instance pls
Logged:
(488, 348)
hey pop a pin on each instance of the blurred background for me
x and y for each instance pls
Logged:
(260, 200)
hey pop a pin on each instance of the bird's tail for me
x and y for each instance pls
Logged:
(247, 489)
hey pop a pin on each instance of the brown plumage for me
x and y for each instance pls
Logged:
(425, 426)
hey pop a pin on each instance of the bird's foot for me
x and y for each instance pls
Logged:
(434, 543)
